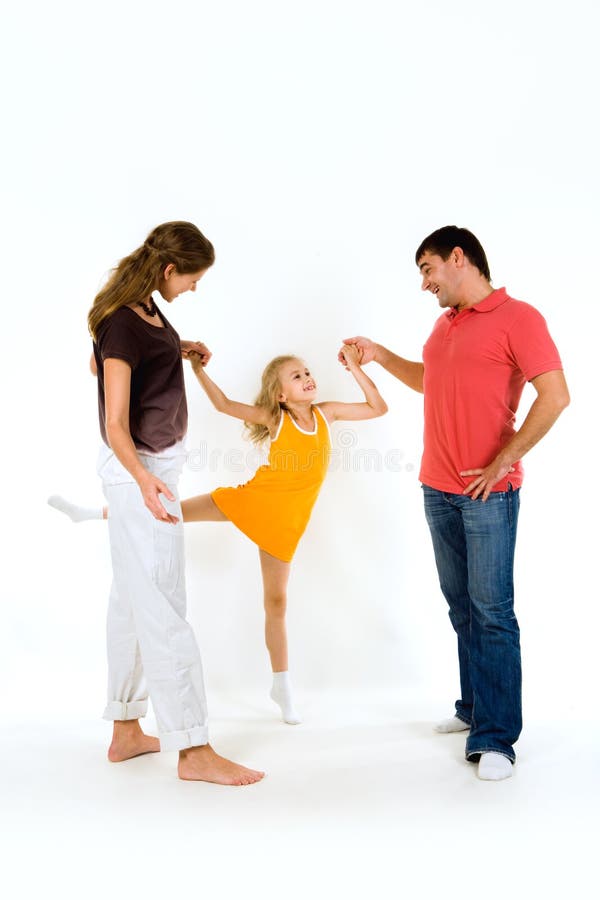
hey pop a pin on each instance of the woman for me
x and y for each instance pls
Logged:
(143, 420)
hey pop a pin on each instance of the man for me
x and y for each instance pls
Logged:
(482, 350)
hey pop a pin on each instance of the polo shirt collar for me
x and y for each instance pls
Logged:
(492, 301)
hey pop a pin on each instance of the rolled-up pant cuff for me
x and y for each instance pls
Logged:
(118, 711)
(183, 740)
(475, 755)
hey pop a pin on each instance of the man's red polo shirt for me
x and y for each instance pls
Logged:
(476, 363)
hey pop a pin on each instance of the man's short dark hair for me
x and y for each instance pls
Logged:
(443, 241)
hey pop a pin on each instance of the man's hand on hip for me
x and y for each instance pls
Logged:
(485, 479)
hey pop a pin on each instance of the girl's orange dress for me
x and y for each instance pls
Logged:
(274, 507)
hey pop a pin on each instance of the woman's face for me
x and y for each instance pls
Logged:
(171, 284)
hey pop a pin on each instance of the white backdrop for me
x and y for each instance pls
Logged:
(315, 145)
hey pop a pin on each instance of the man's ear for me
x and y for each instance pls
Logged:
(458, 257)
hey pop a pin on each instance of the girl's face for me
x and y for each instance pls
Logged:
(296, 383)
(171, 284)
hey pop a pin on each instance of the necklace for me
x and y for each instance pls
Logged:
(151, 309)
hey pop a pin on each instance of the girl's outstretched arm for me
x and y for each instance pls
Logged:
(222, 403)
(374, 404)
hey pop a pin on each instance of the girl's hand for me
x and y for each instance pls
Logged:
(151, 487)
(196, 360)
(189, 348)
(350, 356)
(366, 348)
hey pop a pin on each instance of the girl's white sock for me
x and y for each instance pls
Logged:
(281, 693)
(494, 766)
(449, 726)
(73, 511)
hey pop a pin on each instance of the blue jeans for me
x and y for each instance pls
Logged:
(474, 545)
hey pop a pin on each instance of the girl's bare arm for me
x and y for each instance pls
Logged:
(374, 404)
(221, 402)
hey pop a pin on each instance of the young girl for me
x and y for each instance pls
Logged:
(274, 507)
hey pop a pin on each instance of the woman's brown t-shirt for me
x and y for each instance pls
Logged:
(157, 406)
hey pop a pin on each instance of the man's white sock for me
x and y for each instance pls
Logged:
(73, 511)
(281, 693)
(449, 726)
(494, 766)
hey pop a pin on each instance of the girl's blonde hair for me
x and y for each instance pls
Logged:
(270, 389)
(136, 276)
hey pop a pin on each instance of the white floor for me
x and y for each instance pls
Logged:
(361, 799)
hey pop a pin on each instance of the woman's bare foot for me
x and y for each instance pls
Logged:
(129, 740)
(203, 764)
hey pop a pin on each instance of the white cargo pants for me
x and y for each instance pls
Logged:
(151, 647)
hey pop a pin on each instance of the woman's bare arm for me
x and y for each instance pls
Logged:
(117, 390)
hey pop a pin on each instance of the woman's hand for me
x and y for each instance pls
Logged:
(197, 347)
(151, 487)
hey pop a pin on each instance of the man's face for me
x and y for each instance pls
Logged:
(440, 277)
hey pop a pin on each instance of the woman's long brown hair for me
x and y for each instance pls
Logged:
(136, 276)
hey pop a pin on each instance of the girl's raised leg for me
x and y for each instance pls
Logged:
(75, 512)
(275, 575)
(201, 509)
(196, 509)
